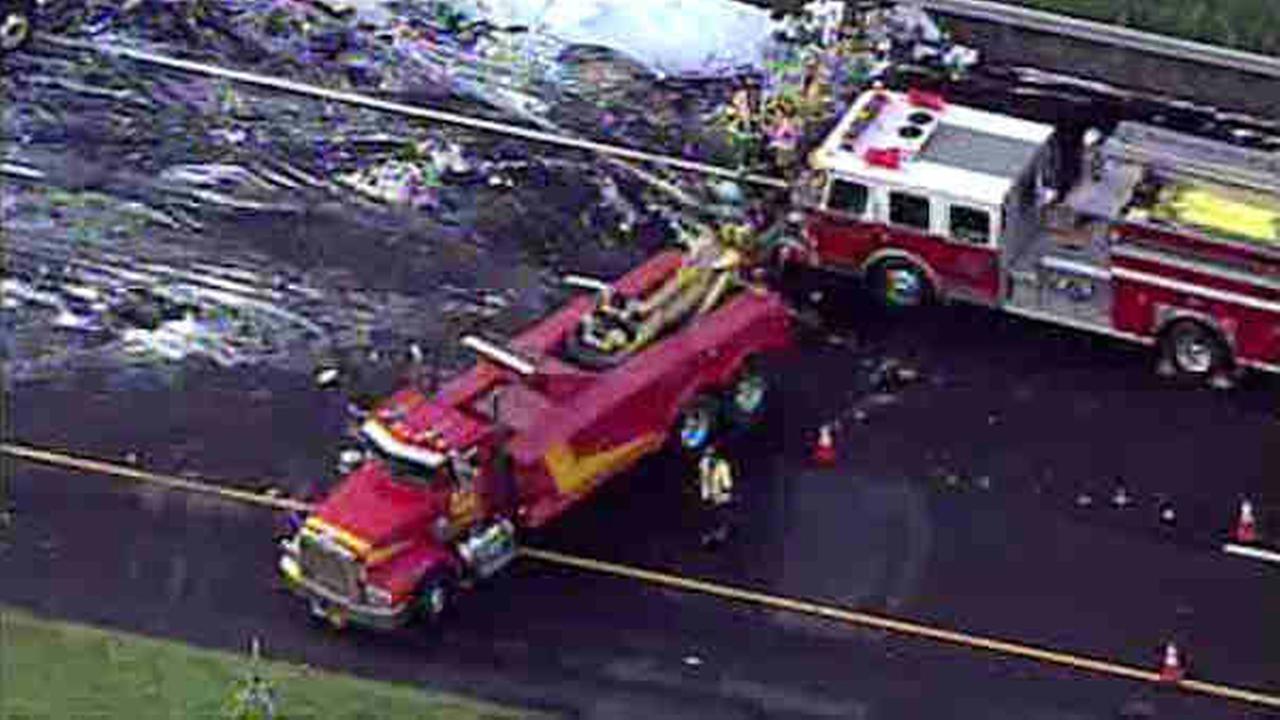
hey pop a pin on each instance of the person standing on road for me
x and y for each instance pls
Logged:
(715, 485)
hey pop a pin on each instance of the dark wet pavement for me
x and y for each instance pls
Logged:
(1010, 556)
(541, 637)
(954, 501)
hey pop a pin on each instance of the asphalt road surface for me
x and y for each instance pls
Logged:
(906, 524)
(954, 501)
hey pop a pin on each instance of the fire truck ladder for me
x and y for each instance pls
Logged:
(1182, 154)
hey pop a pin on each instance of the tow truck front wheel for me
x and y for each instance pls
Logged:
(696, 426)
(15, 25)
(330, 617)
(435, 599)
(1194, 350)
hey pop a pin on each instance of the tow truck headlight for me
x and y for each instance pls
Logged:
(378, 596)
(349, 459)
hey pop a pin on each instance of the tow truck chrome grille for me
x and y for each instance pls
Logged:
(328, 566)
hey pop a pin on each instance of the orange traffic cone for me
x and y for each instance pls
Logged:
(824, 452)
(1246, 530)
(1171, 668)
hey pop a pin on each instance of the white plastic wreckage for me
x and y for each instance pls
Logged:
(411, 183)
(395, 182)
(908, 35)
(669, 37)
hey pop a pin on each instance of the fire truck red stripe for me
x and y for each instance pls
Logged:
(1208, 293)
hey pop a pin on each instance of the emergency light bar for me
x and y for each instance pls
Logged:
(927, 100)
(499, 356)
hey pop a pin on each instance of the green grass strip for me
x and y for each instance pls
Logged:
(65, 671)
(1252, 25)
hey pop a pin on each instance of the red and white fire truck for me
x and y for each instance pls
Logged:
(1144, 234)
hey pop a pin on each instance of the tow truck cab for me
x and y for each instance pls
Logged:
(411, 518)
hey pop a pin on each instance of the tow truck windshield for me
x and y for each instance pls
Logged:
(404, 463)
(405, 470)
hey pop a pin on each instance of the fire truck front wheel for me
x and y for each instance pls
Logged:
(15, 24)
(900, 284)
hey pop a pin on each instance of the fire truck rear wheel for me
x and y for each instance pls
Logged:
(900, 284)
(1194, 349)
(697, 423)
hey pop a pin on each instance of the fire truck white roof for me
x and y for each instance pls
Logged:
(958, 151)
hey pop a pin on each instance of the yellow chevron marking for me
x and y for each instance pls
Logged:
(575, 473)
(385, 553)
(464, 507)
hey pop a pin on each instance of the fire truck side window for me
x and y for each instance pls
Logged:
(970, 224)
(910, 210)
(847, 197)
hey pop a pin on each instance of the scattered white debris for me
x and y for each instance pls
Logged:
(209, 175)
(327, 377)
(669, 37)
(1120, 498)
(394, 182)
(69, 320)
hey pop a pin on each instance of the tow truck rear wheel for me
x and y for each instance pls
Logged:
(15, 24)
(1194, 349)
(697, 423)
(746, 399)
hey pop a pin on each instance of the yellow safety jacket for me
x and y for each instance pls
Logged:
(716, 480)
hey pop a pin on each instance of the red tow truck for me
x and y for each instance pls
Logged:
(448, 481)
(1144, 234)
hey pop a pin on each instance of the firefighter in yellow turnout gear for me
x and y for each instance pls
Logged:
(715, 488)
